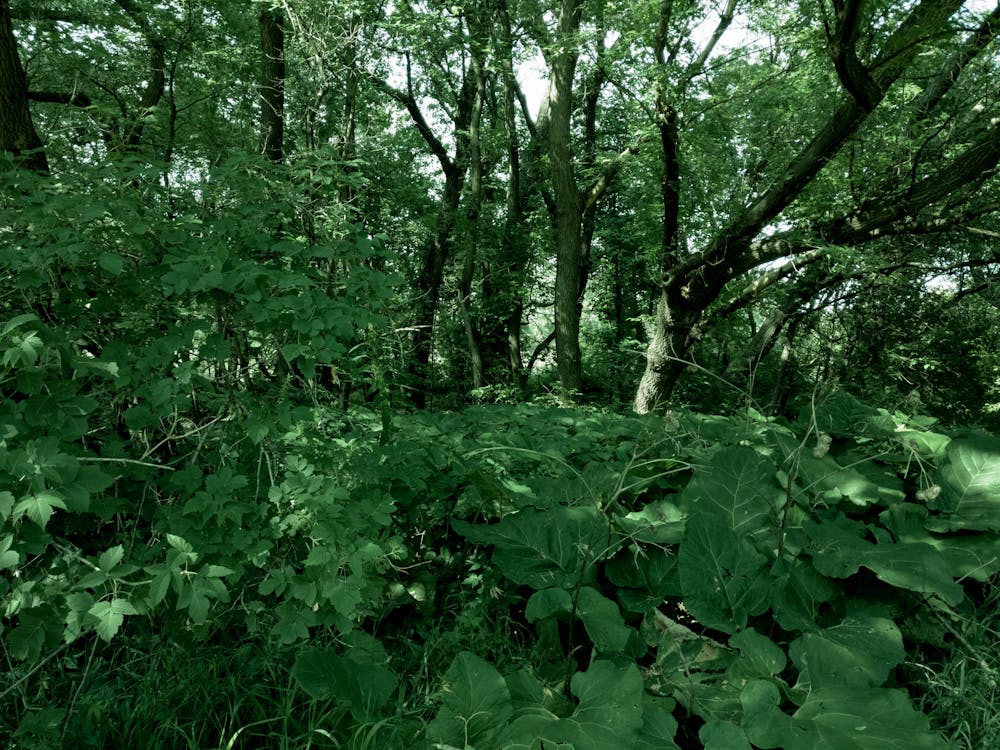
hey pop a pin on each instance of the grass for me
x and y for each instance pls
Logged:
(961, 692)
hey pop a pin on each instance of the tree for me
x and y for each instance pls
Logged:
(17, 130)
(692, 283)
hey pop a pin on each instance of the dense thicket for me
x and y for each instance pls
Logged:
(318, 320)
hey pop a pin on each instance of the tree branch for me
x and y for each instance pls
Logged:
(71, 98)
(900, 49)
(842, 45)
(420, 122)
(925, 102)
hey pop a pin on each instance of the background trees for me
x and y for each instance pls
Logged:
(264, 265)
(668, 170)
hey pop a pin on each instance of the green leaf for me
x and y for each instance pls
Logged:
(660, 522)
(321, 673)
(110, 615)
(722, 575)
(838, 550)
(179, 544)
(6, 505)
(216, 571)
(110, 558)
(8, 558)
(842, 415)
(603, 621)
(721, 735)
(475, 704)
(762, 657)
(859, 652)
(970, 486)
(542, 549)
(293, 622)
(548, 602)
(738, 485)
(366, 685)
(840, 718)
(158, 588)
(39, 507)
(16, 322)
(658, 729)
(36, 626)
(197, 604)
(113, 264)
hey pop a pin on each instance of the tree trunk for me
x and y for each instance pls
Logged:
(568, 202)
(474, 203)
(514, 260)
(693, 282)
(272, 85)
(17, 131)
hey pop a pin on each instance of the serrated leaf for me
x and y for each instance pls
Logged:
(216, 571)
(110, 558)
(179, 543)
(16, 322)
(198, 605)
(8, 558)
(110, 615)
(158, 588)
(39, 508)
(6, 505)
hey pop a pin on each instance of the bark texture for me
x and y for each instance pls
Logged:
(17, 130)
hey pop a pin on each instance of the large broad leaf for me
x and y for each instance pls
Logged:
(840, 718)
(723, 735)
(546, 603)
(863, 485)
(970, 486)
(603, 621)
(660, 522)
(361, 682)
(799, 591)
(737, 485)
(838, 550)
(609, 715)
(475, 704)
(658, 729)
(841, 414)
(540, 549)
(975, 556)
(644, 577)
(761, 656)
(723, 577)
(859, 652)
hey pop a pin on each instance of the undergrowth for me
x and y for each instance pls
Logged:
(514, 577)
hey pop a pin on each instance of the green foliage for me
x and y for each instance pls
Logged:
(833, 552)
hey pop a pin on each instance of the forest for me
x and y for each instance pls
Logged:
(500, 374)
